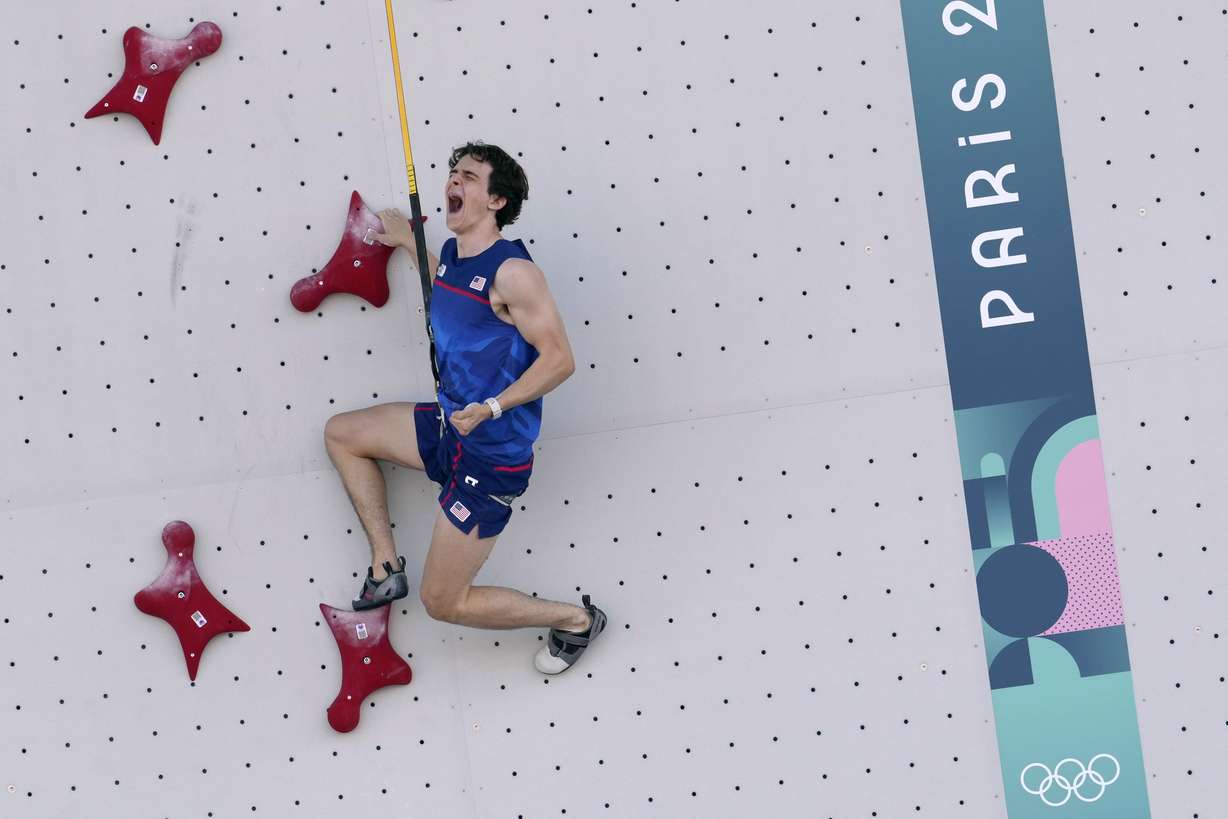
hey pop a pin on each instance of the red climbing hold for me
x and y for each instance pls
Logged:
(368, 661)
(151, 67)
(180, 598)
(359, 265)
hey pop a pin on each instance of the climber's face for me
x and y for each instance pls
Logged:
(468, 200)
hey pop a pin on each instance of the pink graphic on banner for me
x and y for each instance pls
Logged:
(1091, 575)
(1085, 550)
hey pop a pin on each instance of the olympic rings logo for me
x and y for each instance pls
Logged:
(1072, 786)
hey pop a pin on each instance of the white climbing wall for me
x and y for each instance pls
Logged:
(753, 469)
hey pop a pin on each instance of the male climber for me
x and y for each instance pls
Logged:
(500, 346)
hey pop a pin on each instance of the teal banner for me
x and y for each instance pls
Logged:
(1025, 414)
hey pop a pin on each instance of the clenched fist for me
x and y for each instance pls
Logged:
(465, 420)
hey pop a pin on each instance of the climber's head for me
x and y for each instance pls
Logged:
(483, 183)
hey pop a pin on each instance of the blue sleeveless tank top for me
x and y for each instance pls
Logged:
(479, 354)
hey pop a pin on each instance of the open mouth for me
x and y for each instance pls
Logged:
(455, 203)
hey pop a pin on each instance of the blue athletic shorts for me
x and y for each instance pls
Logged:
(473, 493)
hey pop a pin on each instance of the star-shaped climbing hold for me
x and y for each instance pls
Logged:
(180, 598)
(368, 661)
(151, 67)
(359, 265)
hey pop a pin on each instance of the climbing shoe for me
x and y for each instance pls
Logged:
(377, 593)
(563, 648)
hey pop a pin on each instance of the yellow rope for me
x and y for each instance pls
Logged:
(396, 68)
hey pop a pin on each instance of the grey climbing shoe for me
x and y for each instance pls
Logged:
(377, 593)
(563, 648)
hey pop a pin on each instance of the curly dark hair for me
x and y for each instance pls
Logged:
(507, 178)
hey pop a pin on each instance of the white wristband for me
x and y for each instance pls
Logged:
(493, 403)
